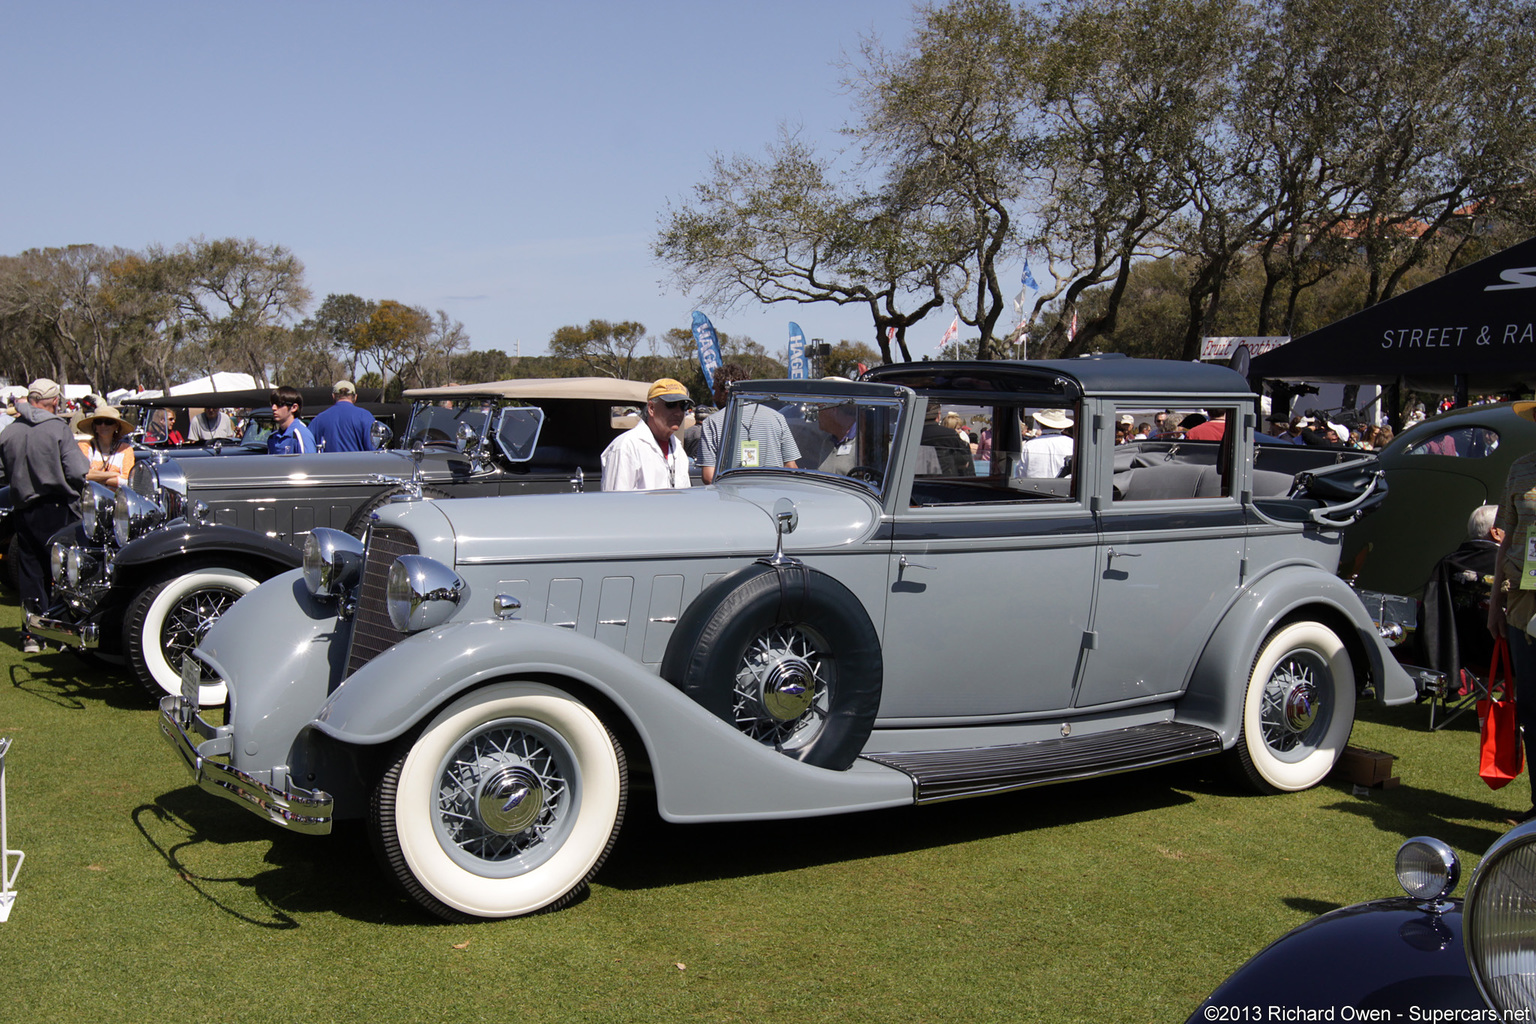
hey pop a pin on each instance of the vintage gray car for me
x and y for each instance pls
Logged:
(875, 628)
(154, 565)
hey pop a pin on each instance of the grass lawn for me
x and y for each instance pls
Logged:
(1125, 899)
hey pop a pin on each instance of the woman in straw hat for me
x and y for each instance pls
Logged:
(108, 449)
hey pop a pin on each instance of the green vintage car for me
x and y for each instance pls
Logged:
(1438, 472)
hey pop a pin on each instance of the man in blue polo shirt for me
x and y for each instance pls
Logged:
(291, 437)
(343, 427)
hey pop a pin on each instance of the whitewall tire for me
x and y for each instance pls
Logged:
(1299, 708)
(507, 803)
(166, 620)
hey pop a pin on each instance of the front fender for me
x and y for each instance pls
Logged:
(704, 769)
(182, 538)
(1386, 955)
(1215, 695)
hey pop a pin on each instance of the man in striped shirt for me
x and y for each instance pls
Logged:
(764, 438)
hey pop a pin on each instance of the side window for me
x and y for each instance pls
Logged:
(1190, 457)
(518, 432)
(984, 454)
(1459, 443)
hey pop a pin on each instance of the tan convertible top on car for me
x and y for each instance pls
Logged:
(602, 389)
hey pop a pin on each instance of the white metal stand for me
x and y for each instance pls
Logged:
(7, 872)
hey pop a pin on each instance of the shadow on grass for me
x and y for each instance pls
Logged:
(338, 874)
(73, 680)
(652, 853)
(334, 874)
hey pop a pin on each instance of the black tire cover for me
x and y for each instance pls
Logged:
(711, 636)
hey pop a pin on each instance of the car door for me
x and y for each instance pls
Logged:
(990, 589)
(1167, 566)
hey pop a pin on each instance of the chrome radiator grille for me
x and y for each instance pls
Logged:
(372, 632)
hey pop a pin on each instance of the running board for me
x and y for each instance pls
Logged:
(951, 774)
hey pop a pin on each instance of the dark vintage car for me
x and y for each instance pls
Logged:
(153, 565)
(881, 626)
(390, 417)
(1426, 956)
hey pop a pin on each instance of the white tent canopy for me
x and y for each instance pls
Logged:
(220, 381)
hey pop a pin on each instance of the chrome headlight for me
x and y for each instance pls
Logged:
(1427, 869)
(1499, 923)
(142, 477)
(80, 566)
(134, 515)
(58, 551)
(421, 593)
(97, 504)
(333, 562)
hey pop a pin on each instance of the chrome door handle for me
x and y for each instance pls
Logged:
(1123, 554)
(904, 564)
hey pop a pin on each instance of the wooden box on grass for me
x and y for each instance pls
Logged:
(1366, 768)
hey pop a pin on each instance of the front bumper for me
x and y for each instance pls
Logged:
(85, 635)
(280, 802)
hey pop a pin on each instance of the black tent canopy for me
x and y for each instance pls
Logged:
(1471, 330)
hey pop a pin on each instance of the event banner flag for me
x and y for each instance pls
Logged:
(797, 367)
(709, 348)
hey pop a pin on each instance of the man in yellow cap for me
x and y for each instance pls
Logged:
(649, 456)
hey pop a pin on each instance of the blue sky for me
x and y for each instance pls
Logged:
(506, 162)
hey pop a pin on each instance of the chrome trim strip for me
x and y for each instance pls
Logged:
(295, 809)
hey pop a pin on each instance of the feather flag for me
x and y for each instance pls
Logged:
(709, 347)
(797, 365)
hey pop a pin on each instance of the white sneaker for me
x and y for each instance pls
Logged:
(31, 646)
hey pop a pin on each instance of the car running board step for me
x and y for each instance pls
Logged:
(951, 774)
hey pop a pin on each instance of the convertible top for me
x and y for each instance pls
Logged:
(602, 389)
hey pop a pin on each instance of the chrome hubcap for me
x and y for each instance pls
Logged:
(1295, 712)
(189, 620)
(784, 687)
(788, 688)
(510, 801)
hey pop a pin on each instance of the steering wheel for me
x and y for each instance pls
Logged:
(868, 474)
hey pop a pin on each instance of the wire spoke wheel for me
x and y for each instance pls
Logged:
(1299, 709)
(784, 687)
(190, 618)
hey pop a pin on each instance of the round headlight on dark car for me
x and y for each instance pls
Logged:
(58, 551)
(1427, 868)
(421, 593)
(79, 565)
(133, 515)
(96, 506)
(333, 562)
(1499, 924)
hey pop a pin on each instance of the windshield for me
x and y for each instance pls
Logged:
(848, 437)
(438, 423)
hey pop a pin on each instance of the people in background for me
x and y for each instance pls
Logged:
(46, 469)
(210, 425)
(1046, 455)
(291, 436)
(1513, 599)
(344, 427)
(649, 455)
(764, 438)
(108, 449)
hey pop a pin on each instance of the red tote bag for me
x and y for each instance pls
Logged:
(1501, 754)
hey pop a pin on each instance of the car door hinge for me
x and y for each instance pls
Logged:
(1090, 640)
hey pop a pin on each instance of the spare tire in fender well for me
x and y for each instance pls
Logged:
(798, 636)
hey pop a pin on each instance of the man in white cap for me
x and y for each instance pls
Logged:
(1046, 455)
(343, 427)
(649, 456)
(46, 469)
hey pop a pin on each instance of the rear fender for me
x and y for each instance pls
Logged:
(1217, 687)
(704, 769)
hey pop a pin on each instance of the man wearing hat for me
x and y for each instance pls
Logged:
(343, 427)
(1046, 455)
(46, 469)
(649, 456)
